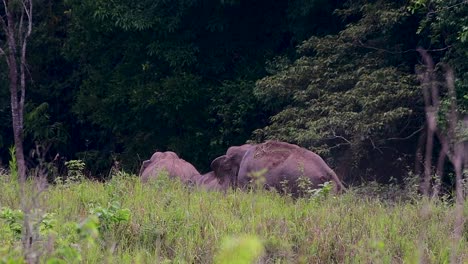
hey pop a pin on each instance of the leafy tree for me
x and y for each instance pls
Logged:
(173, 75)
(444, 28)
(49, 125)
(352, 95)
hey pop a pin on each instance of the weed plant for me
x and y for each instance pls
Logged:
(162, 221)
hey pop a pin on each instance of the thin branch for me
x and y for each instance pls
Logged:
(3, 23)
(340, 137)
(408, 137)
(431, 109)
(23, 55)
(2, 52)
(339, 145)
(28, 10)
(20, 27)
(419, 156)
(440, 170)
(447, 7)
(25, 8)
(373, 145)
(362, 45)
(349, 142)
(10, 33)
(5, 5)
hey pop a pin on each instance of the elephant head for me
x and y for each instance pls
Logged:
(157, 157)
(227, 166)
(170, 162)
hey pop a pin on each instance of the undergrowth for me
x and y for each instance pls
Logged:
(125, 221)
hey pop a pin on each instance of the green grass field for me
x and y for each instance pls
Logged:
(124, 221)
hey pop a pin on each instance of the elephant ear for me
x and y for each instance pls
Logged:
(145, 164)
(216, 166)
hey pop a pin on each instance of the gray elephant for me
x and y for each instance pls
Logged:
(227, 166)
(209, 181)
(282, 163)
(170, 162)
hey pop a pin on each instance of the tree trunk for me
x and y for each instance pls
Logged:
(15, 54)
(16, 116)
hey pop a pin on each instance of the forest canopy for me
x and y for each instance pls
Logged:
(114, 81)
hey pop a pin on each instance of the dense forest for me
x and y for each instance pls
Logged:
(308, 131)
(110, 82)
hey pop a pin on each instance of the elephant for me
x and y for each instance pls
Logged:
(227, 166)
(169, 161)
(208, 181)
(281, 163)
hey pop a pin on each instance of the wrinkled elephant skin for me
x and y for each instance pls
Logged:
(227, 166)
(208, 181)
(167, 161)
(279, 162)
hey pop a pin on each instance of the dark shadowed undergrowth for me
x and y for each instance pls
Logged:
(125, 221)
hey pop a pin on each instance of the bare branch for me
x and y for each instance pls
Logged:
(431, 110)
(3, 23)
(339, 145)
(23, 53)
(20, 27)
(440, 170)
(5, 6)
(429, 78)
(2, 52)
(452, 115)
(5, 30)
(335, 136)
(419, 157)
(28, 8)
(452, 146)
(408, 137)
(362, 45)
(373, 145)
(10, 32)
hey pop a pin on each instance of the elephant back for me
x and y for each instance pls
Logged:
(284, 162)
(169, 162)
(272, 153)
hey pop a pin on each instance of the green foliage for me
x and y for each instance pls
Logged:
(64, 247)
(170, 223)
(240, 250)
(258, 178)
(443, 26)
(152, 75)
(116, 80)
(11, 260)
(14, 220)
(75, 173)
(39, 128)
(111, 215)
(47, 223)
(348, 93)
(416, 5)
(75, 169)
(323, 191)
(88, 229)
(306, 189)
(13, 165)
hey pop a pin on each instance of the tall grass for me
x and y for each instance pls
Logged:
(171, 223)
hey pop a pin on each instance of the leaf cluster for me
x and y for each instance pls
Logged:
(347, 92)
